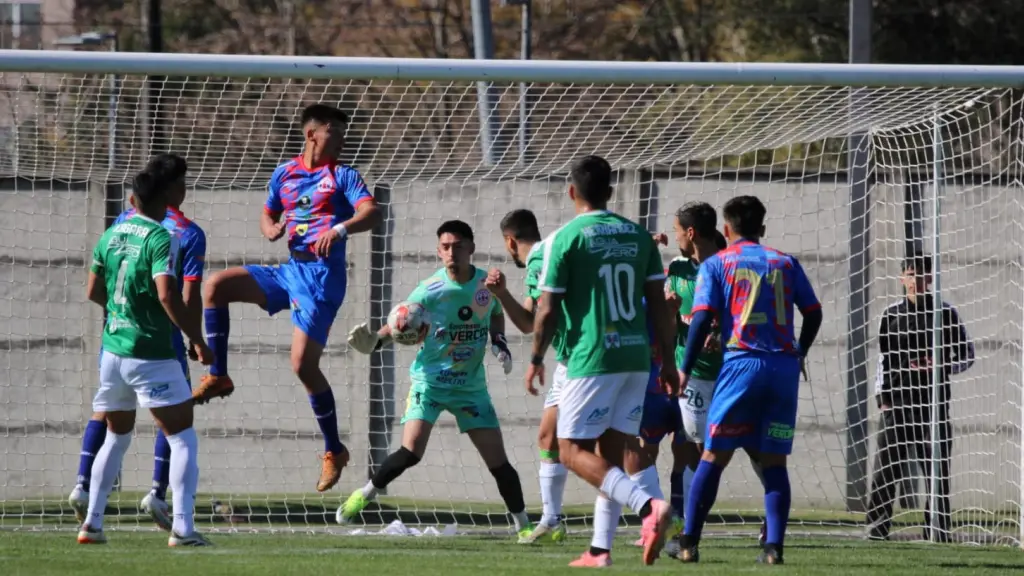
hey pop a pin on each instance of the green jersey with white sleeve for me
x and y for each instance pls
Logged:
(600, 261)
(534, 263)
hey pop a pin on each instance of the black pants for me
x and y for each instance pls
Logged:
(905, 434)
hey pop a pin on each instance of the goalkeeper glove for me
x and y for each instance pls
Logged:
(363, 339)
(499, 347)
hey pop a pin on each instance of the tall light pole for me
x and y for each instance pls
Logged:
(94, 39)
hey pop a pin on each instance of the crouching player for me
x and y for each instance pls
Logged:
(448, 373)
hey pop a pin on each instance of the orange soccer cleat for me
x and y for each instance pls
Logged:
(588, 560)
(333, 462)
(213, 387)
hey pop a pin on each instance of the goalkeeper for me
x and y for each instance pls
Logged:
(448, 373)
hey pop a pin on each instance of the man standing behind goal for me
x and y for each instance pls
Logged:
(594, 264)
(904, 391)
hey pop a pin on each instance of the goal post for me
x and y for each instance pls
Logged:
(859, 166)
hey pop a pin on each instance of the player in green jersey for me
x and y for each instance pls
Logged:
(522, 241)
(696, 235)
(448, 373)
(591, 272)
(133, 277)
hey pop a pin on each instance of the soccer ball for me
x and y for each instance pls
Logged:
(409, 323)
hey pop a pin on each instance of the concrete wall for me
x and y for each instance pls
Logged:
(262, 440)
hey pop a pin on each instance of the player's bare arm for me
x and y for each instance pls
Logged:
(189, 324)
(367, 216)
(663, 321)
(271, 225)
(520, 314)
(545, 322)
(96, 290)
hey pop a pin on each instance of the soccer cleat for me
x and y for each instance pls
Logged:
(762, 536)
(588, 560)
(352, 507)
(330, 472)
(87, 535)
(688, 552)
(771, 555)
(211, 387)
(656, 525)
(158, 510)
(673, 531)
(195, 539)
(79, 501)
(543, 533)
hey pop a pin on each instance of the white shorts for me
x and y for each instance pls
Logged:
(126, 383)
(558, 378)
(694, 403)
(589, 406)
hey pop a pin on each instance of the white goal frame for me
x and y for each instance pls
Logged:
(573, 72)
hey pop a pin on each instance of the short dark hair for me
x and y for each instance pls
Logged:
(592, 177)
(918, 262)
(322, 113)
(720, 242)
(700, 216)
(155, 179)
(745, 215)
(456, 227)
(521, 224)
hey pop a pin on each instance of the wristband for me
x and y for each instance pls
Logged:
(341, 230)
(537, 360)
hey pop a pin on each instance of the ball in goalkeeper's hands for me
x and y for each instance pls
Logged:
(409, 323)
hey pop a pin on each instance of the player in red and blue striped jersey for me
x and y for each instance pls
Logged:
(752, 289)
(192, 242)
(317, 202)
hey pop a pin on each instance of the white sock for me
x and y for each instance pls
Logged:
(606, 520)
(521, 520)
(184, 479)
(648, 481)
(758, 471)
(552, 489)
(104, 473)
(617, 486)
(369, 491)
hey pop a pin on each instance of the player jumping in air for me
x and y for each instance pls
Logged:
(133, 277)
(752, 289)
(171, 169)
(448, 373)
(697, 239)
(601, 266)
(318, 203)
(522, 241)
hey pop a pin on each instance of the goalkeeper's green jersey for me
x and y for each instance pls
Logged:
(129, 256)
(534, 263)
(452, 356)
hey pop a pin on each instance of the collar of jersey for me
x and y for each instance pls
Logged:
(144, 217)
(591, 213)
(451, 281)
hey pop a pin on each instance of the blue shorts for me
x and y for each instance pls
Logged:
(754, 405)
(661, 417)
(313, 290)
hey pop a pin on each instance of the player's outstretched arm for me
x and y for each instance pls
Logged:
(499, 345)
(96, 290)
(520, 314)
(545, 322)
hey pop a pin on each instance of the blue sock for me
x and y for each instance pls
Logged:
(218, 324)
(777, 498)
(92, 440)
(703, 491)
(678, 499)
(327, 418)
(161, 465)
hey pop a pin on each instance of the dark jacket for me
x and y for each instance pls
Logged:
(905, 361)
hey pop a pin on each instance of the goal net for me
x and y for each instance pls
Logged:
(849, 171)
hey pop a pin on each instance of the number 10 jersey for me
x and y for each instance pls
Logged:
(600, 261)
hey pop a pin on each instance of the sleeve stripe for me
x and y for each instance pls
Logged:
(701, 308)
(166, 273)
(267, 210)
(552, 290)
(812, 307)
(654, 277)
(363, 200)
(193, 278)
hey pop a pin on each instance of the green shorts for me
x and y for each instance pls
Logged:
(472, 409)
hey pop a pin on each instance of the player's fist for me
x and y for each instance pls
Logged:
(363, 339)
(201, 352)
(499, 347)
(534, 372)
(323, 243)
(672, 381)
(495, 281)
(674, 301)
(277, 230)
(660, 238)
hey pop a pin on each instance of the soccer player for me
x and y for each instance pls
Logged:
(523, 243)
(752, 289)
(133, 277)
(593, 266)
(698, 240)
(318, 203)
(448, 372)
(169, 168)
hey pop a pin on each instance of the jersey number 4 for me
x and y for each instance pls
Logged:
(620, 306)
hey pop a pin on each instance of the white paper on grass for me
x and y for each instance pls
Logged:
(397, 528)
